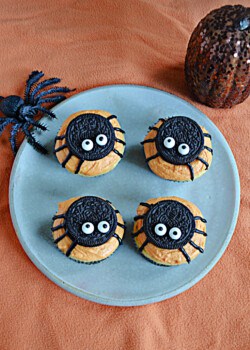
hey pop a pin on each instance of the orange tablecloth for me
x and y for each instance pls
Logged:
(90, 43)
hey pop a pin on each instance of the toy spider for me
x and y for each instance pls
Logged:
(89, 222)
(93, 141)
(21, 112)
(181, 144)
(169, 224)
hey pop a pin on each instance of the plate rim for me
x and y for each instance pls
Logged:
(128, 302)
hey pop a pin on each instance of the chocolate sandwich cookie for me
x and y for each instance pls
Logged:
(169, 231)
(178, 149)
(90, 143)
(87, 229)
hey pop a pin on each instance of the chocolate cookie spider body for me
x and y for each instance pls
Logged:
(88, 229)
(90, 143)
(169, 231)
(178, 149)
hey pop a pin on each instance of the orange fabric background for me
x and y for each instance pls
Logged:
(91, 43)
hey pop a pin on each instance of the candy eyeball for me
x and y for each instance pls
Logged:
(103, 227)
(160, 229)
(87, 145)
(169, 142)
(88, 228)
(183, 149)
(101, 140)
(175, 233)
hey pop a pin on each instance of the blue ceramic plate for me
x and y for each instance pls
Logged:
(38, 183)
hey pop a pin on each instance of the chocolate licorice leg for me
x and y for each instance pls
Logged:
(148, 141)
(200, 218)
(60, 148)
(191, 171)
(135, 234)
(66, 159)
(203, 161)
(138, 217)
(118, 153)
(147, 205)
(196, 247)
(200, 232)
(143, 245)
(118, 238)
(152, 157)
(120, 141)
(185, 254)
(73, 245)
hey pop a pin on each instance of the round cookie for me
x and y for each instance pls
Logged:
(90, 143)
(178, 149)
(169, 231)
(87, 229)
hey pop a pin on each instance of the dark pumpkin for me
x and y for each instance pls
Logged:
(217, 65)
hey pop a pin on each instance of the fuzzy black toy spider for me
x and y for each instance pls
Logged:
(21, 112)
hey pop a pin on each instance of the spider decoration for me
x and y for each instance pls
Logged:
(178, 141)
(90, 137)
(168, 223)
(22, 112)
(89, 222)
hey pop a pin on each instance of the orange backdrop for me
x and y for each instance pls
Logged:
(90, 43)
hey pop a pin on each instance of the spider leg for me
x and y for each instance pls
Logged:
(207, 135)
(138, 217)
(60, 137)
(52, 99)
(60, 237)
(112, 117)
(42, 85)
(148, 140)
(191, 171)
(120, 130)
(13, 135)
(37, 124)
(118, 153)
(200, 218)
(66, 160)
(73, 244)
(121, 141)
(50, 92)
(203, 161)
(58, 227)
(135, 234)
(152, 157)
(60, 148)
(79, 166)
(45, 110)
(153, 128)
(33, 78)
(200, 232)
(59, 216)
(121, 225)
(146, 205)
(196, 247)
(6, 121)
(185, 254)
(143, 245)
(209, 149)
(118, 238)
(32, 141)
